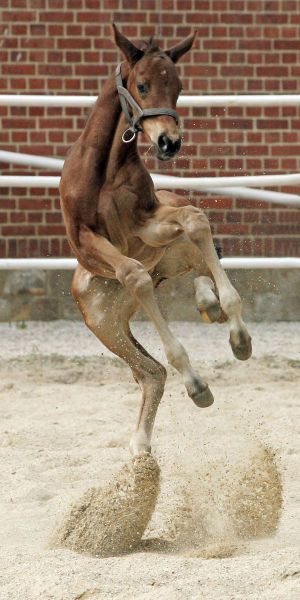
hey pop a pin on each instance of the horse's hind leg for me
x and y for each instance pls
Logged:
(194, 224)
(107, 307)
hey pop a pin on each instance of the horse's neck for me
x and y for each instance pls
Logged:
(103, 120)
(126, 169)
(122, 154)
(116, 160)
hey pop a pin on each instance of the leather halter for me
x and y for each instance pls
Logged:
(134, 121)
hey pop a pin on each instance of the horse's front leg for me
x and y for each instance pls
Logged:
(187, 219)
(196, 226)
(181, 257)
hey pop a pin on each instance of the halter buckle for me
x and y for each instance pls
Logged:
(124, 137)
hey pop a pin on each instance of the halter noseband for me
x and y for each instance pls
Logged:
(134, 121)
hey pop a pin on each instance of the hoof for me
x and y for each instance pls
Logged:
(200, 394)
(111, 521)
(241, 345)
(211, 314)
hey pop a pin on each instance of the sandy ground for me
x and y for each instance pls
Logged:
(67, 411)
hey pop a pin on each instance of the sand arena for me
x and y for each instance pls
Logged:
(225, 522)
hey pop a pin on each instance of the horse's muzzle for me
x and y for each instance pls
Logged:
(166, 147)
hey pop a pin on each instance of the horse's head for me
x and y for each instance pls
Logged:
(154, 83)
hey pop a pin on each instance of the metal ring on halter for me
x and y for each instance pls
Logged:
(126, 141)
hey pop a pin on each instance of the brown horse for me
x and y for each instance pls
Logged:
(127, 238)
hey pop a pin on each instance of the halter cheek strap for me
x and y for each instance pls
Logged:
(134, 121)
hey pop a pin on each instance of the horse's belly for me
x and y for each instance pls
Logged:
(149, 257)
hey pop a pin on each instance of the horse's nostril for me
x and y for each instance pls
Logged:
(163, 143)
(177, 145)
(168, 146)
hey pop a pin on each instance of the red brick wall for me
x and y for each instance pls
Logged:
(247, 46)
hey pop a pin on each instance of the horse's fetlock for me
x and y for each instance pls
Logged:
(231, 302)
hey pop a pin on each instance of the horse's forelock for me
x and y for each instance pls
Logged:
(150, 46)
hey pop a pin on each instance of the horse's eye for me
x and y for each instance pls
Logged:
(142, 89)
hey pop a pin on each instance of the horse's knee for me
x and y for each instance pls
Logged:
(196, 224)
(134, 277)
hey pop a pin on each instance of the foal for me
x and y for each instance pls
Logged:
(127, 238)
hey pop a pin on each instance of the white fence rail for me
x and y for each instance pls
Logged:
(31, 160)
(211, 185)
(166, 181)
(183, 101)
(69, 264)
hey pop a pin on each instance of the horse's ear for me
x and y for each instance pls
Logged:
(130, 51)
(180, 49)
